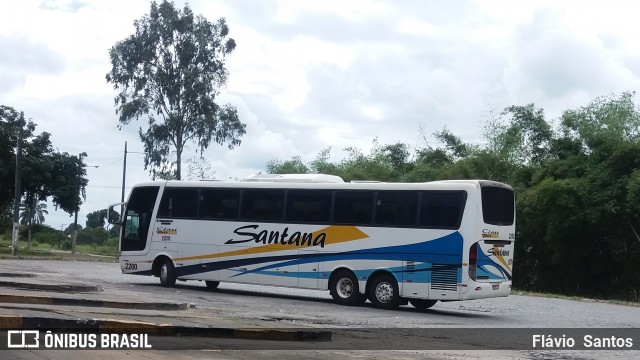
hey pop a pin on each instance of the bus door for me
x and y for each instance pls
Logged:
(175, 225)
(165, 237)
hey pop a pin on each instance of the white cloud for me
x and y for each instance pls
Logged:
(308, 75)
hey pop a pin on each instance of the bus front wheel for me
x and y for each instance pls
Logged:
(167, 273)
(344, 288)
(384, 293)
(422, 304)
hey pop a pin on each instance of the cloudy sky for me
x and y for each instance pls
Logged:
(307, 75)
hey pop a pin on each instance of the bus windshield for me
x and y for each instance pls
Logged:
(138, 218)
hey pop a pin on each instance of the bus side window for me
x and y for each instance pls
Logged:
(259, 205)
(442, 209)
(353, 207)
(308, 206)
(219, 204)
(397, 208)
(178, 203)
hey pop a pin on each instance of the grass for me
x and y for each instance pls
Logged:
(575, 298)
(104, 253)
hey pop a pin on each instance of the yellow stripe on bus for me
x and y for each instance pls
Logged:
(335, 235)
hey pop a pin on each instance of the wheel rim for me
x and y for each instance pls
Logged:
(384, 292)
(163, 273)
(344, 288)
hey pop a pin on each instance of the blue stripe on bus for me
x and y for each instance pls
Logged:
(360, 274)
(450, 245)
(446, 246)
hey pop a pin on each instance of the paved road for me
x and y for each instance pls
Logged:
(314, 308)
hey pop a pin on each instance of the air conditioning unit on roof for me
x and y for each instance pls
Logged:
(294, 178)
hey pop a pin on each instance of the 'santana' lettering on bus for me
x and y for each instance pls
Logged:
(498, 252)
(166, 230)
(486, 233)
(276, 237)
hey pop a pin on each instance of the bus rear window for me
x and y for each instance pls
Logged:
(497, 205)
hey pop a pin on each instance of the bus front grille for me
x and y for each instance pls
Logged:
(444, 277)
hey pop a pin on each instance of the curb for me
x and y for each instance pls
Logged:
(51, 287)
(42, 300)
(12, 275)
(118, 326)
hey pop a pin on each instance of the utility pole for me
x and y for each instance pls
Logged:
(16, 204)
(124, 176)
(75, 221)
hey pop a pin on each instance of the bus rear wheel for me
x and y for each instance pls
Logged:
(384, 293)
(212, 284)
(167, 273)
(344, 288)
(422, 304)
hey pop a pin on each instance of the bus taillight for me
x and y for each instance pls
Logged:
(473, 260)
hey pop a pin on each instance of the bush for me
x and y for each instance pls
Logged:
(66, 245)
(48, 238)
(95, 236)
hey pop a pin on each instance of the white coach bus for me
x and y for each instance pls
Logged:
(391, 243)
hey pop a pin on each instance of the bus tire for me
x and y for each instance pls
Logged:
(212, 284)
(384, 293)
(344, 288)
(167, 273)
(422, 304)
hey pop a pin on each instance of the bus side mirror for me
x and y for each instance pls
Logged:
(115, 220)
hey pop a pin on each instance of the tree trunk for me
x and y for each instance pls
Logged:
(179, 164)
(29, 235)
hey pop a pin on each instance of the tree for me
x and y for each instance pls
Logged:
(293, 166)
(71, 228)
(44, 171)
(171, 71)
(32, 212)
(98, 218)
(199, 169)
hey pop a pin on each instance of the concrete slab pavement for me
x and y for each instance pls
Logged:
(38, 301)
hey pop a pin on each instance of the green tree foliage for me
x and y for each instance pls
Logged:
(70, 229)
(293, 166)
(44, 234)
(96, 218)
(32, 211)
(171, 71)
(45, 172)
(99, 218)
(577, 189)
(114, 231)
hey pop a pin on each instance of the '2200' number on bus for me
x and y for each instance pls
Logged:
(130, 266)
